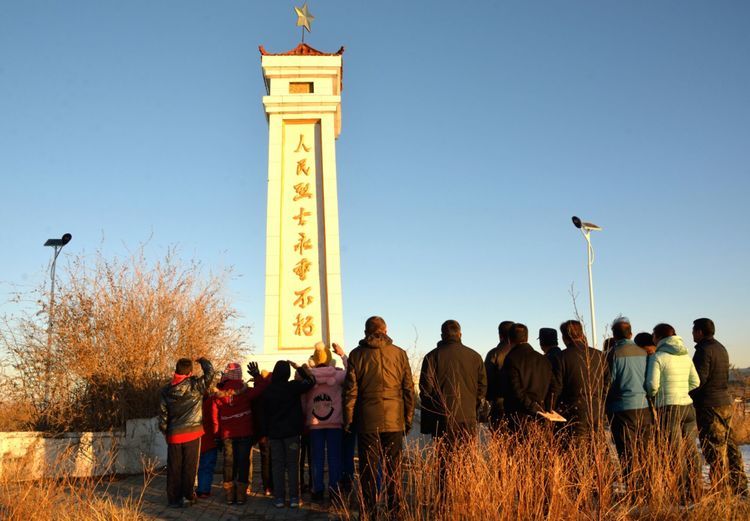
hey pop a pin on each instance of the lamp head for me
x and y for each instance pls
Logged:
(65, 239)
(589, 227)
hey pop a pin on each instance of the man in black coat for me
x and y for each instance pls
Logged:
(493, 364)
(713, 408)
(548, 343)
(578, 382)
(529, 374)
(452, 384)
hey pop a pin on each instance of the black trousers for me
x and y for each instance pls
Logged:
(449, 439)
(237, 460)
(633, 432)
(376, 449)
(677, 424)
(305, 456)
(182, 467)
(264, 447)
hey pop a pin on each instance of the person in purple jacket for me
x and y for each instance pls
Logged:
(324, 418)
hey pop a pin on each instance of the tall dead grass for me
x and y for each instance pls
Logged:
(118, 326)
(534, 475)
(66, 498)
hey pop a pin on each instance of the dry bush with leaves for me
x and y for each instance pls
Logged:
(118, 327)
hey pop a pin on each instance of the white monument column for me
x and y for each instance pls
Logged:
(303, 273)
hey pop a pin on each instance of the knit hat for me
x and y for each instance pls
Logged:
(233, 371)
(321, 356)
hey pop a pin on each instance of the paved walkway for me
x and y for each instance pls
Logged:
(258, 506)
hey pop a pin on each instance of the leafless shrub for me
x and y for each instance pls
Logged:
(118, 327)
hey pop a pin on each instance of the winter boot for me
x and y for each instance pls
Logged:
(230, 492)
(241, 493)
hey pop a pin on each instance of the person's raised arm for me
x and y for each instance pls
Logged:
(204, 382)
(307, 379)
(259, 383)
(340, 375)
(349, 395)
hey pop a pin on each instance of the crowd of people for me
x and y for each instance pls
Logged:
(644, 387)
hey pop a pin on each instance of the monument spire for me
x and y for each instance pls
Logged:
(303, 266)
(304, 19)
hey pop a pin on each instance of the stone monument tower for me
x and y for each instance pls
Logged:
(303, 274)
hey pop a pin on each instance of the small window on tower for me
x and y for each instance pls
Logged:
(298, 87)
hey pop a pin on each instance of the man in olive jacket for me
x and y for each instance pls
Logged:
(379, 406)
(452, 385)
(181, 421)
(713, 408)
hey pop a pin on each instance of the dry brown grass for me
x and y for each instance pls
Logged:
(532, 476)
(741, 424)
(118, 328)
(67, 498)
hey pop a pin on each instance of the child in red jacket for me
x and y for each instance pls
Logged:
(233, 413)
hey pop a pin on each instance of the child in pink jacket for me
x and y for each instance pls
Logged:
(324, 417)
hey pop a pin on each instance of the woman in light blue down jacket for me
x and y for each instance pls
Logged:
(670, 376)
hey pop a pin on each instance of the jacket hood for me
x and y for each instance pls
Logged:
(376, 340)
(281, 372)
(325, 374)
(672, 345)
(179, 378)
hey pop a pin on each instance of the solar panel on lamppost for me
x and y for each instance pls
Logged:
(586, 229)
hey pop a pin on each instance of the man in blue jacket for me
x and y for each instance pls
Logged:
(713, 408)
(627, 407)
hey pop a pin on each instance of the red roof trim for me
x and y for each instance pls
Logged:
(301, 50)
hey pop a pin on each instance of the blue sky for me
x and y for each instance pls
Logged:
(471, 133)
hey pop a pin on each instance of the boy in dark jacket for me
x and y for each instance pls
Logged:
(181, 421)
(284, 421)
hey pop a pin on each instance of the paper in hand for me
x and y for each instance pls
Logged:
(553, 416)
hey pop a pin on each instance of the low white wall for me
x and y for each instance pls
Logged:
(32, 455)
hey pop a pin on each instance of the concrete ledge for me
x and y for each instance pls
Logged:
(35, 455)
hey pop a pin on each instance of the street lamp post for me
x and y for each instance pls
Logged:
(586, 229)
(57, 244)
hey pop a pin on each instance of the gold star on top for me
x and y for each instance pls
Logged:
(304, 17)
